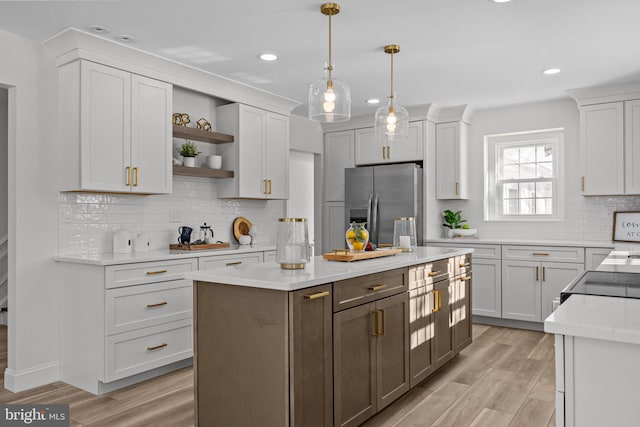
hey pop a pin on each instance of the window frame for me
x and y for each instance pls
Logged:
(494, 146)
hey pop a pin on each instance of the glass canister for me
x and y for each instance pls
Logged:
(292, 250)
(357, 237)
(404, 233)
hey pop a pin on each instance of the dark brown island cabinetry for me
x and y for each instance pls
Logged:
(328, 355)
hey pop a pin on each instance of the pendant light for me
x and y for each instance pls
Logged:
(329, 98)
(392, 120)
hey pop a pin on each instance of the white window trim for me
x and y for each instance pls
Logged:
(491, 198)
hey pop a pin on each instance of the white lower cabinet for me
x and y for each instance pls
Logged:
(593, 257)
(217, 261)
(529, 285)
(487, 287)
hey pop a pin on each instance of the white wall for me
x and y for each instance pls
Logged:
(305, 135)
(28, 69)
(586, 218)
(4, 111)
(301, 189)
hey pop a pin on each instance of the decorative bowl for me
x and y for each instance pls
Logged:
(244, 239)
(465, 232)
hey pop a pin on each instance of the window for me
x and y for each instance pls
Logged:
(523, 176)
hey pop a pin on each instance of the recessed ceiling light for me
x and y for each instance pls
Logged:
(98, 29)
(372, 101)
(551, 71)
(268, 56)
(500, 1)
(126, 38)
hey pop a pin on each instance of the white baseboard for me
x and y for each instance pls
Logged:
(32, 377)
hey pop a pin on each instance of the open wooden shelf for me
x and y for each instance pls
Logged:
(202, 172)
(201, 135)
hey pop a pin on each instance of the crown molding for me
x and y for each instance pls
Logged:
(605, 93)
(455, 113)
(72, 44)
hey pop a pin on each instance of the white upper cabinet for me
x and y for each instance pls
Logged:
(451, 160)
(371, 151)
(602, 148)
(338, 155)
(260, 154)
(120, 123)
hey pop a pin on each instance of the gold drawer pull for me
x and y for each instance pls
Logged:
(136, 174)
(157, 347)
(465, 279)
(234, 263)
(466, 264)
(318, 295)
(540, 254)
(377, 288)
(158, 304)
(434, 273)
(156, 272)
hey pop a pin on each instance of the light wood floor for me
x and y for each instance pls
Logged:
(504, 378)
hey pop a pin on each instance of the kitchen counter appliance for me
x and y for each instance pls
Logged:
(604, 283)
(379, 194)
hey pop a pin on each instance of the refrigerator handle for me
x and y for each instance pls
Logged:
(374, 220)
(369, 224)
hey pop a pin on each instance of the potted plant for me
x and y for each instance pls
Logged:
(189, 151)
(452, 220)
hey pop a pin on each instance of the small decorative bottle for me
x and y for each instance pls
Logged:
(357, 237)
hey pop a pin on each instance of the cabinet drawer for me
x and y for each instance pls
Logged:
(141, 306)
(147, 272)
(429, 273)
(217, 261)
(479, 250)
(269, 256)
(461, 264)
(149, 348)
(360, 290)
(543, 253)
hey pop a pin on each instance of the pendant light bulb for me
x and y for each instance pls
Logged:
(329, 98)
(391, 122)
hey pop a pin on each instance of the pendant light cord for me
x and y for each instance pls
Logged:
(391, 95)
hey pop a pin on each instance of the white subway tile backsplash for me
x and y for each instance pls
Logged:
(87, 221)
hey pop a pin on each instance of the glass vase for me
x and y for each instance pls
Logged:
(357, 237)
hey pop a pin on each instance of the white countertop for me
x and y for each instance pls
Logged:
(318, 271)
(597, 317)
(619, 261)
(488, 241)
(105, 259)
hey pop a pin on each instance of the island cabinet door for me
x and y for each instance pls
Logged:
(354, 372)
(393, 348)
(311, 369)
(461, 311)
(442, 323)
(421, 334)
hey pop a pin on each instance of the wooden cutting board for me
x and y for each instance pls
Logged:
(181, 247)
(346, 256)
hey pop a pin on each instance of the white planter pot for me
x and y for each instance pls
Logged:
(189, 161)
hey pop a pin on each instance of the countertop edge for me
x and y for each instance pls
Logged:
(520, 242)
(106, 259)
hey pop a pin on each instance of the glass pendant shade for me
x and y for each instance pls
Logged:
(329, 100)
(391, 123)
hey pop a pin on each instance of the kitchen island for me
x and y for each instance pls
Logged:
(331, 344)
(597, 348)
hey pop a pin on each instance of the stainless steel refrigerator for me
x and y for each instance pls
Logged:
(379, 194)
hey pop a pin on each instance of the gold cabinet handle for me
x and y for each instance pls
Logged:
(382, 322)
(234, 263)
(384, 155)
(158, 304)
(128, 169)
(157, 347)
(135, 171)
(151, 273)
(376, 331)
(318, 295)
(457, 188)
(434, 273)
(543, 275)
(264, 182)
(583, 183)
(436, 301)
(466, 279)
(540, 254)
(377, 287)
(537, 271)
(466, 264)
(270, 188)
(388, 151)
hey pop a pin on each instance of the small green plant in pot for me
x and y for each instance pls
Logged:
(189, 151)
(452, 220)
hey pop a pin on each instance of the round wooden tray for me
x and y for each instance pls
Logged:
(241, 226)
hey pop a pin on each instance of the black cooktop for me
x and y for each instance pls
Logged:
(604, 283)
